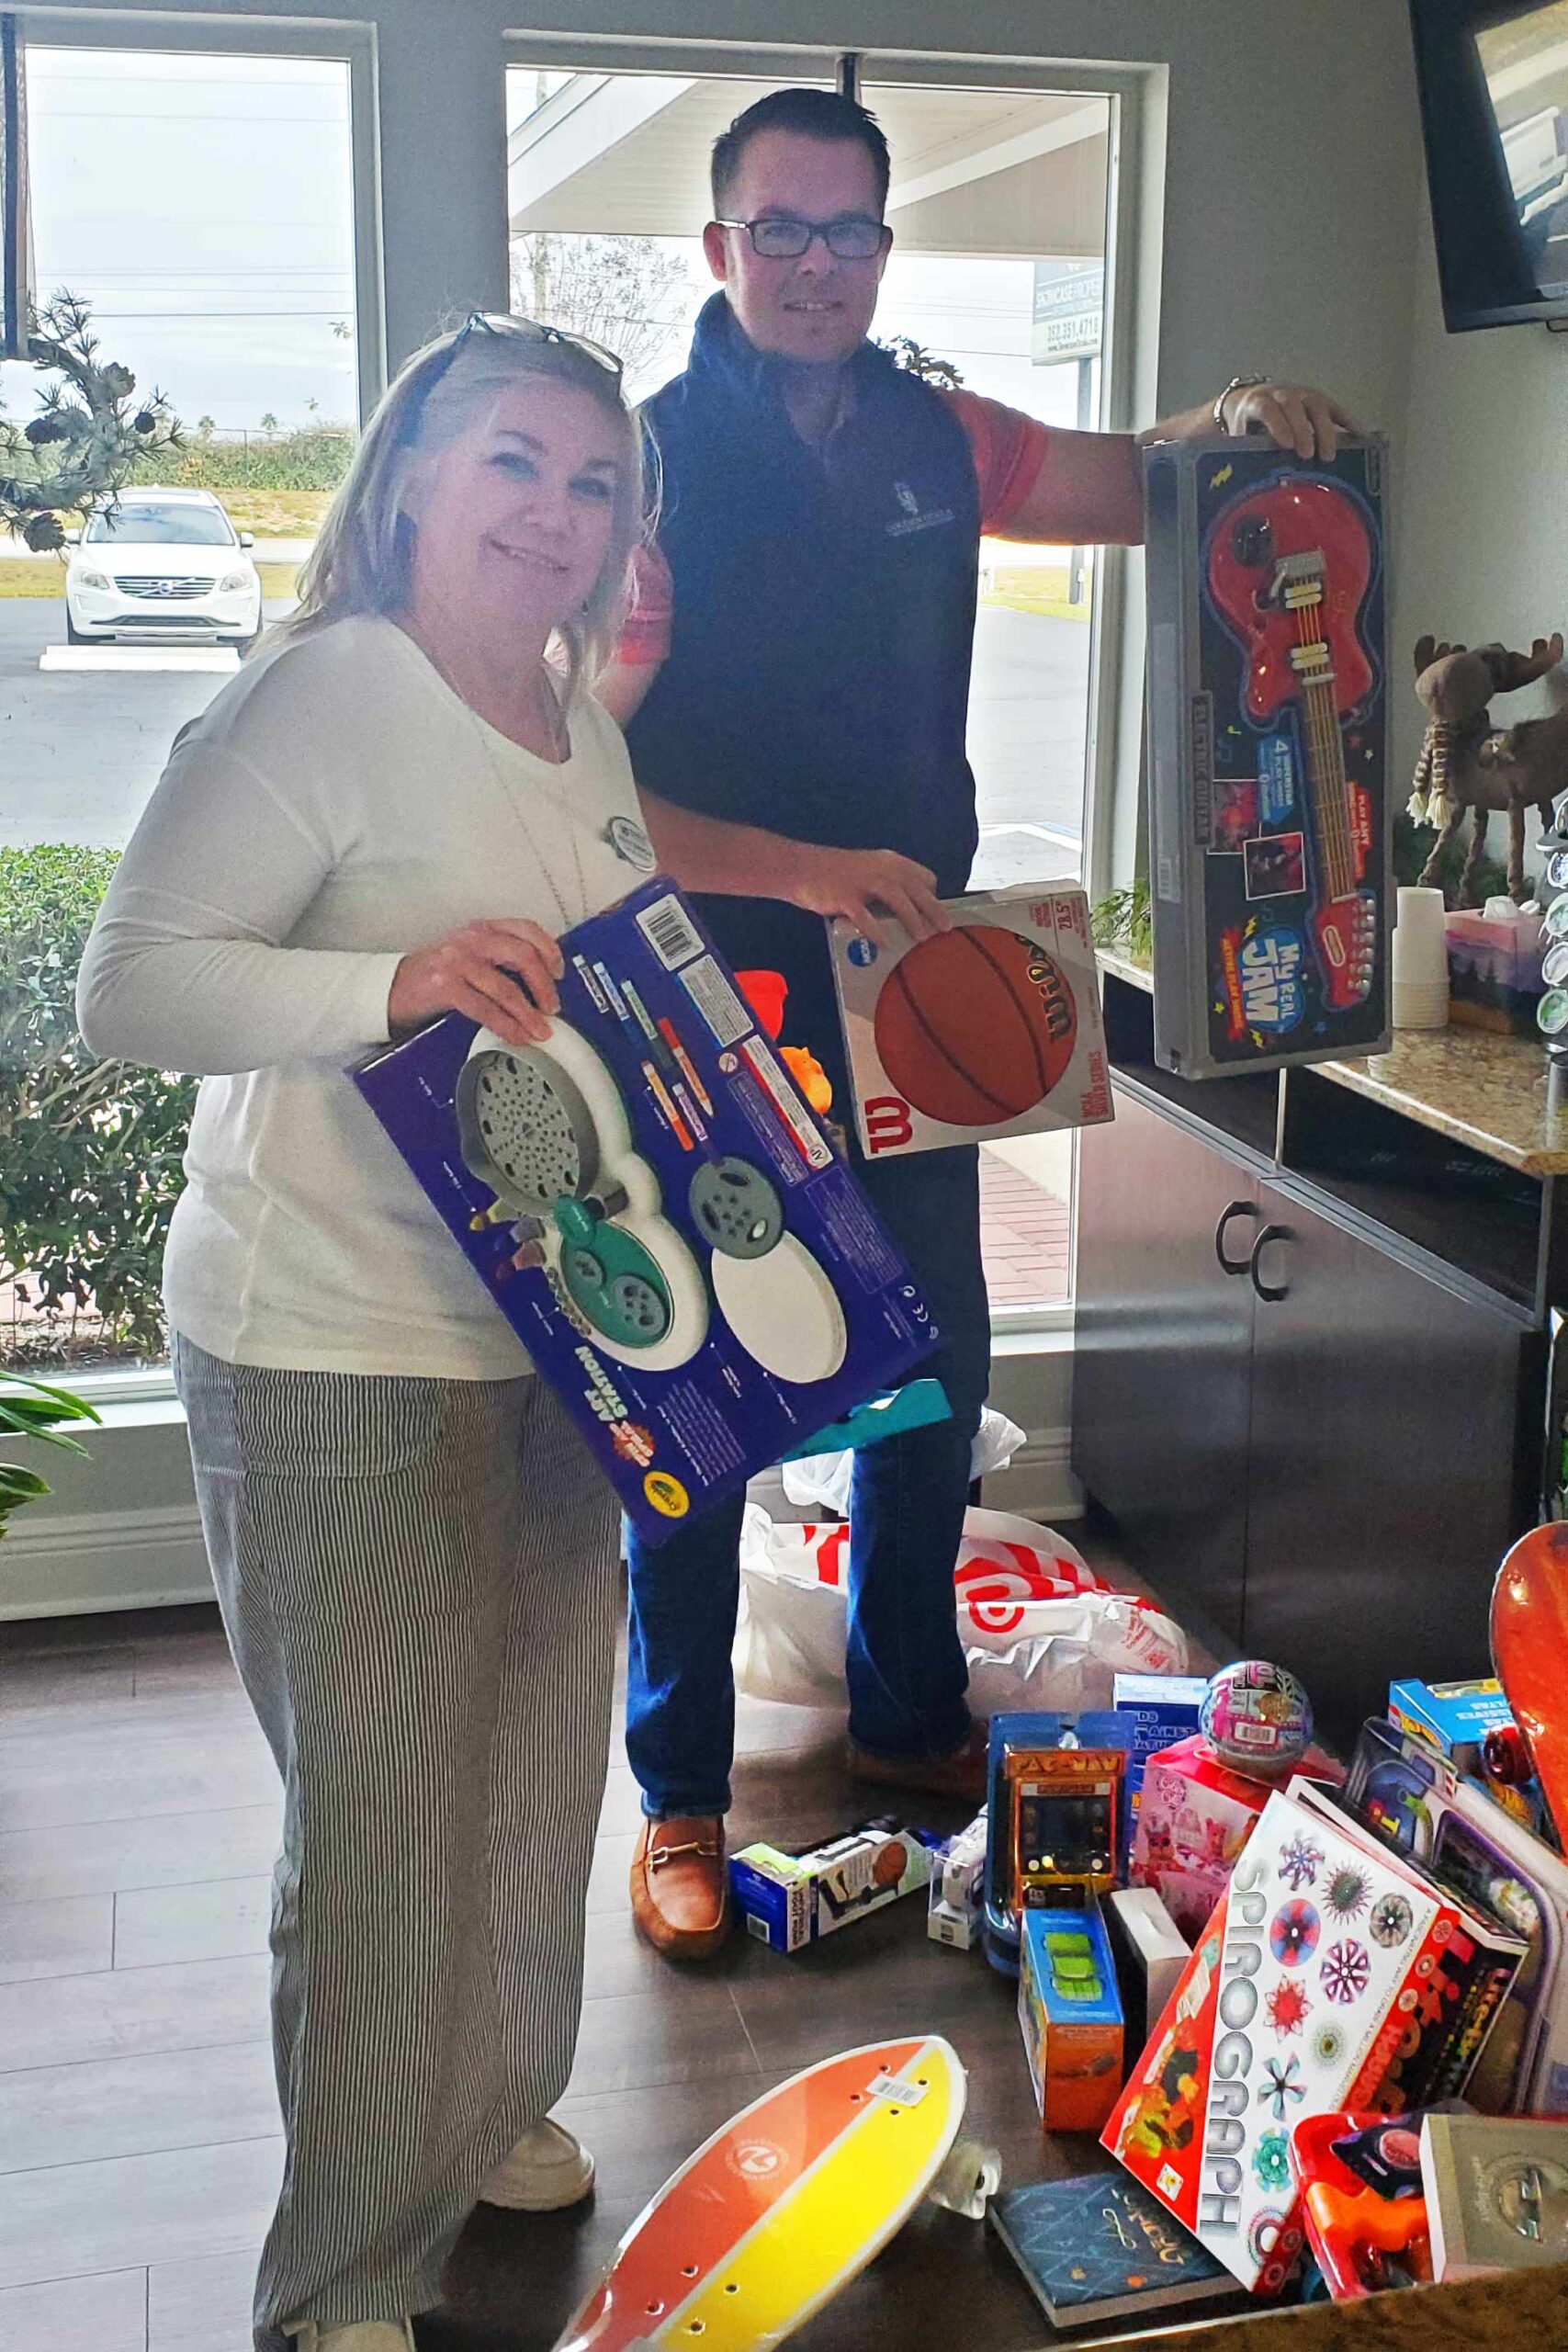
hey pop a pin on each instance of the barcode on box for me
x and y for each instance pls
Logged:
(668, 930)
(717, 1001)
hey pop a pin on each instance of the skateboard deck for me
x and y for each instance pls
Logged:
(783, 2205)
(1530, 1650)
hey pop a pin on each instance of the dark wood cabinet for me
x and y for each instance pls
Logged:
(1316, 1437)
(1162, 1354)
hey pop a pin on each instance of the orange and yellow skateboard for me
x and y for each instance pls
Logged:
(1530, 1650)
(784, 2205)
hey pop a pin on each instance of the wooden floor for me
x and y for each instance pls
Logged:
(139, 1816)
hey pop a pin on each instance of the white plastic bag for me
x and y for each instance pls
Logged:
(824, 1478)
(1040, 1627)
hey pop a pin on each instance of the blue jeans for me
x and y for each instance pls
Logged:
(907, 1675)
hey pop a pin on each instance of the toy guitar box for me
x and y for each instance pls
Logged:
(1326, 1974)
(657, 1214)
(990, 1029)
(1268, 742)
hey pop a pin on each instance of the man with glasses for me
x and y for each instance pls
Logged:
(795, 686)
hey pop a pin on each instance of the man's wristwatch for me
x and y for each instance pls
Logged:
(1236, 384)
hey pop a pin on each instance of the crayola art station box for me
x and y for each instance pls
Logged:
(657, 1212)
(1268, 726)
(988, 1030)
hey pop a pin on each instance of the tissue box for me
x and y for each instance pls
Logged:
(1494, 981)
(657, 1214)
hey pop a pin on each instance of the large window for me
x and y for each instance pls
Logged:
(999, 203)
(201, 207)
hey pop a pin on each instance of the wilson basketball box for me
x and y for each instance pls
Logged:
(657, 1214)
(990, 1029)
(1268, 746)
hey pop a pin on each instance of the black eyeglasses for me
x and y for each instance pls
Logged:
(778, 237)
(504, 325)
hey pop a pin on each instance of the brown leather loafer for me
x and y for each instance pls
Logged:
(961, 1775)
(680, 1886)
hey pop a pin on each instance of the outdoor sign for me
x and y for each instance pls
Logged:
(1070, 296)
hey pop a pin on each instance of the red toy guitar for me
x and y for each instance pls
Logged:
(1289, 566)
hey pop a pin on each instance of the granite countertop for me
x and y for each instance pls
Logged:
(1493, 1092)
(1522, 2310)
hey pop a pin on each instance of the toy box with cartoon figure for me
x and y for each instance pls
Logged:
(787, 1900)
(657, 1214)
(1417, 1802)
(1326, 1961)
(1194, 1817)
(1070, 2013)
(990, 1029)
(1268, 728)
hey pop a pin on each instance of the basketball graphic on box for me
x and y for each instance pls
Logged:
(990, 1029)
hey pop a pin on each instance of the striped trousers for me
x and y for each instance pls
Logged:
(418, 1579)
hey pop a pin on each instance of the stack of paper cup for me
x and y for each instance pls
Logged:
(1420, 993)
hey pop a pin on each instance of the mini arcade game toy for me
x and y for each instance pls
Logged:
(1267, 737)
(1053, 1792)
(990, 1029)
(657, 1212)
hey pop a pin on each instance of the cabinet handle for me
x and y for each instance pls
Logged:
(1233, 1208)
(1270, 1290)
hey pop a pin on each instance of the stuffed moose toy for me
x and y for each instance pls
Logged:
(1465, 764)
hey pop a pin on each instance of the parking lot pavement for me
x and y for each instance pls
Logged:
(80, 751)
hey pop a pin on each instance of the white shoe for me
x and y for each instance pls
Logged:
(546, 2171)
(359, 2336)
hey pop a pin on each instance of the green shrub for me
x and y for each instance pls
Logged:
(90, 1151)
(316, 456)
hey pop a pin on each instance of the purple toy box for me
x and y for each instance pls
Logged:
(657, 1214)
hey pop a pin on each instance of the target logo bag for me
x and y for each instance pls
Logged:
(990, 1029)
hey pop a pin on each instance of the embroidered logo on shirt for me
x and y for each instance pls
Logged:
(912, 518)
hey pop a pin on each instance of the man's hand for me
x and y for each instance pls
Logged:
(868, 886)
(1294, 416)
(502, 974)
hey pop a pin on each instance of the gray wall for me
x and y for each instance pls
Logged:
(1483, 543)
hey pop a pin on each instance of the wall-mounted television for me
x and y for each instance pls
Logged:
(1494, 85)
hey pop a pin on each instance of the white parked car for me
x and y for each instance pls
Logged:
(163, 563)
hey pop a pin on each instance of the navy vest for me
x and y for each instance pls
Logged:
(818, 679)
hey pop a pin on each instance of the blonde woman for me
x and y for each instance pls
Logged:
(392, 813)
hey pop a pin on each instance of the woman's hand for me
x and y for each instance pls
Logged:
(866, 885)
(502, 974)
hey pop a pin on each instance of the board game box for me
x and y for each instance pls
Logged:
(1268, 691)
(1324, 1963)
(988, 1030)
(657, 1214)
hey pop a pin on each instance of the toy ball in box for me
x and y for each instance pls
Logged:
(787, 1900)
(1070, 2014)
(657, 1214)
(1256, 1717)
(1268, 726)
(990, 1029)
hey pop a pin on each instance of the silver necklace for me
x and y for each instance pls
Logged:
(514, 801)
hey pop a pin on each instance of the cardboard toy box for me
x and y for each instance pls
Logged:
(787, 1900)
(990, 1029)
(1194, 1817)
(1272, 821)
(1453, 1717)
(657, 1214)
(1070, 2013)
(1326, 1961)
(1160, 1709)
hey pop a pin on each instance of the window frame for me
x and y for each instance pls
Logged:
(1113, 720)
(353, 45)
